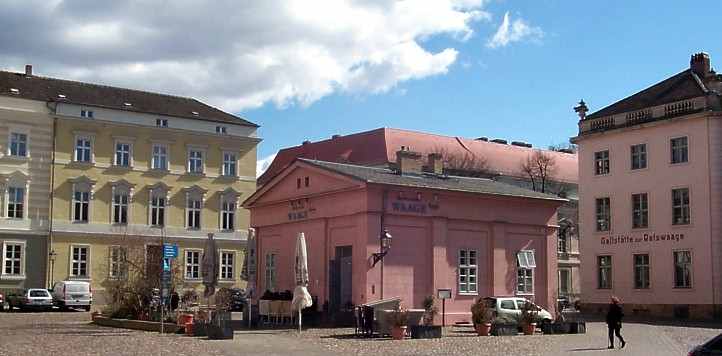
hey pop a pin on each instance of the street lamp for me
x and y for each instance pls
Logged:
(385, 243)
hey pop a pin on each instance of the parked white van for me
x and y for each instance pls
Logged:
(72, 294)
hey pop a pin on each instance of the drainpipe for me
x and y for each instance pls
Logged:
(384, 197)
(50, 255)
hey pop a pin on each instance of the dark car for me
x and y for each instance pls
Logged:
(2, 302)
(709, 348)
(238, 299)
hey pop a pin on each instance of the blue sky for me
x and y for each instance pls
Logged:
(599, 51)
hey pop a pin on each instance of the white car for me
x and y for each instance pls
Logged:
(72, 294)
(512, 306)
(37, 299)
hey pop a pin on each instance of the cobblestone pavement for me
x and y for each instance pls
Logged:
(71, 334)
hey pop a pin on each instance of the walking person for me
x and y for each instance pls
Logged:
(614, 322)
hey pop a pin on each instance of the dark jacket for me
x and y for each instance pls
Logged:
(615, 314)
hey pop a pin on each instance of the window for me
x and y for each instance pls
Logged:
(161, 122)
(79, 261)
(640, 211)
(306, 181)
(13, 258)
(270, 274)
(195, 161)
(83, 149)
(160, 157)
(221, 130)
(18, 144)
(601, 162)
(603, 214)
(526, 263)
(508, 304)
(604, 266)
(120, 208)
(16, 202)
(679, 148)
(227, 265)
(228, 214)
(193, 264)
(562, 240)
(81, 202)
(565, 281)
(193, 213)
(641, 271)
(117, 264)
(467, 271)
(122, 154)
(229, 164)
(682, 269)
(157, 210)
(639, 156)
(86, 113)
(298, 183)
(680, 206)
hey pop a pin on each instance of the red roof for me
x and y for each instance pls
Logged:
(378, 148)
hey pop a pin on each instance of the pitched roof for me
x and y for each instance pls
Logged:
(47, 89)
(387, 176)
(378, 148)
(682, 86)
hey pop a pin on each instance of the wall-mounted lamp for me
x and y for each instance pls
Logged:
(385, 243)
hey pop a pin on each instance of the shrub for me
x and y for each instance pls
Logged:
(430, 310)
(480, 312)
(399, 317)
(529, 313)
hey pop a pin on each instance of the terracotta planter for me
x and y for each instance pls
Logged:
(184, 319)
(398, 332)
(189, 328)
(529, 329)
(483, 329)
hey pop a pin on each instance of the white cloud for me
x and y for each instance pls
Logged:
(514, 31)
(263, 164)
(237, 55)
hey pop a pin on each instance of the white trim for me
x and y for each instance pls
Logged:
(111, 248)
(469, 267)
(23, 260)
(90, 137)
(185, 264)
(123, 141)
(232, 265)
(13, 129)
(166, 154)
(223, 164)
(232, 198)
(88, 264)
(204, 158)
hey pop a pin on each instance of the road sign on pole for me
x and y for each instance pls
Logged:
(170, 251)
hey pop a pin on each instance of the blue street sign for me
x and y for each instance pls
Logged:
(170, 251)
(166, 265)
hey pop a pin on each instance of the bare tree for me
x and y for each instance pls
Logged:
(464, 164)
(540, 167)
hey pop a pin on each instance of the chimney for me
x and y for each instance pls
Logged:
(408, 162)
(435, 163)
(28, 70)
(699, 64)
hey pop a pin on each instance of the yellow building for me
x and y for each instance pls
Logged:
(136, 168)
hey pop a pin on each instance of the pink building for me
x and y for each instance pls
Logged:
(650, 179)
(460, 233)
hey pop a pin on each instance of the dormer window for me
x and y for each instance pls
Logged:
(86, 113)
(195, 113)
(61, 96)
(221, 130)
(15, 91)
(161, 122)
(127, 105)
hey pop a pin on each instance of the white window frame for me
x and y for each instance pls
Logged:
(610, 274)
(225, 200)
(526, 264)
(154, 157)
(691, 269)
(225, 269)
(230, 163)
(672, 148)
(21, 274)
(202, 152)
(638, 267)
(113, 214)
(602, 165)
(129, 143)
(91, 154)
(11, 133)
(88, 114)
(190, 222)
(640, 156)
(72, 261)
(189, 265)
(117, 263)
(73, 205)
(162, 123)
(8, 199)
(641, 209)
(270, 279)
(568, 280)
(682, 206)
(468, 275)
(160, 195)
(606, 214)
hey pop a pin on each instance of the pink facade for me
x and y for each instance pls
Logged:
(344, 214)
(680, 275)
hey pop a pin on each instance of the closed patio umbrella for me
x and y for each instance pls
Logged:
(248, 271)
(301, 298)
(210, 266)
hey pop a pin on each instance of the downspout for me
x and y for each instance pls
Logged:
(384, 196)
(715, 310)
(50, 255)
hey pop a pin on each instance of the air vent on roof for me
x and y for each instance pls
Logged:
(498, 140)
(485, 139)
(14, 91)
(61, 96)
(195, 113)
(520, 144)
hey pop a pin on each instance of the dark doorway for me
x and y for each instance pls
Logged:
(341, 274)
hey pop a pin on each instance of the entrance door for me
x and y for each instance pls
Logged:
(341, 280)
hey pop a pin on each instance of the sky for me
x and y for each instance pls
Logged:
(309, 69)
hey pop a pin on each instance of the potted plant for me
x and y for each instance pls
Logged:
(504, 325)
(427, 330)
(481, 317)
(529, 316)
(398, 319)
(220, 326)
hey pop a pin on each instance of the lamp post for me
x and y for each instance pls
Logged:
(51, 257)
(384, 247)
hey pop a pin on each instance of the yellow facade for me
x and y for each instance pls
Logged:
(99, 233)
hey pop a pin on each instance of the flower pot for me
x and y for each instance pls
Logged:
(398, 332)
(529, 329)
(483, 329)
(189, 328)
(425, 331)
(184, 319)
